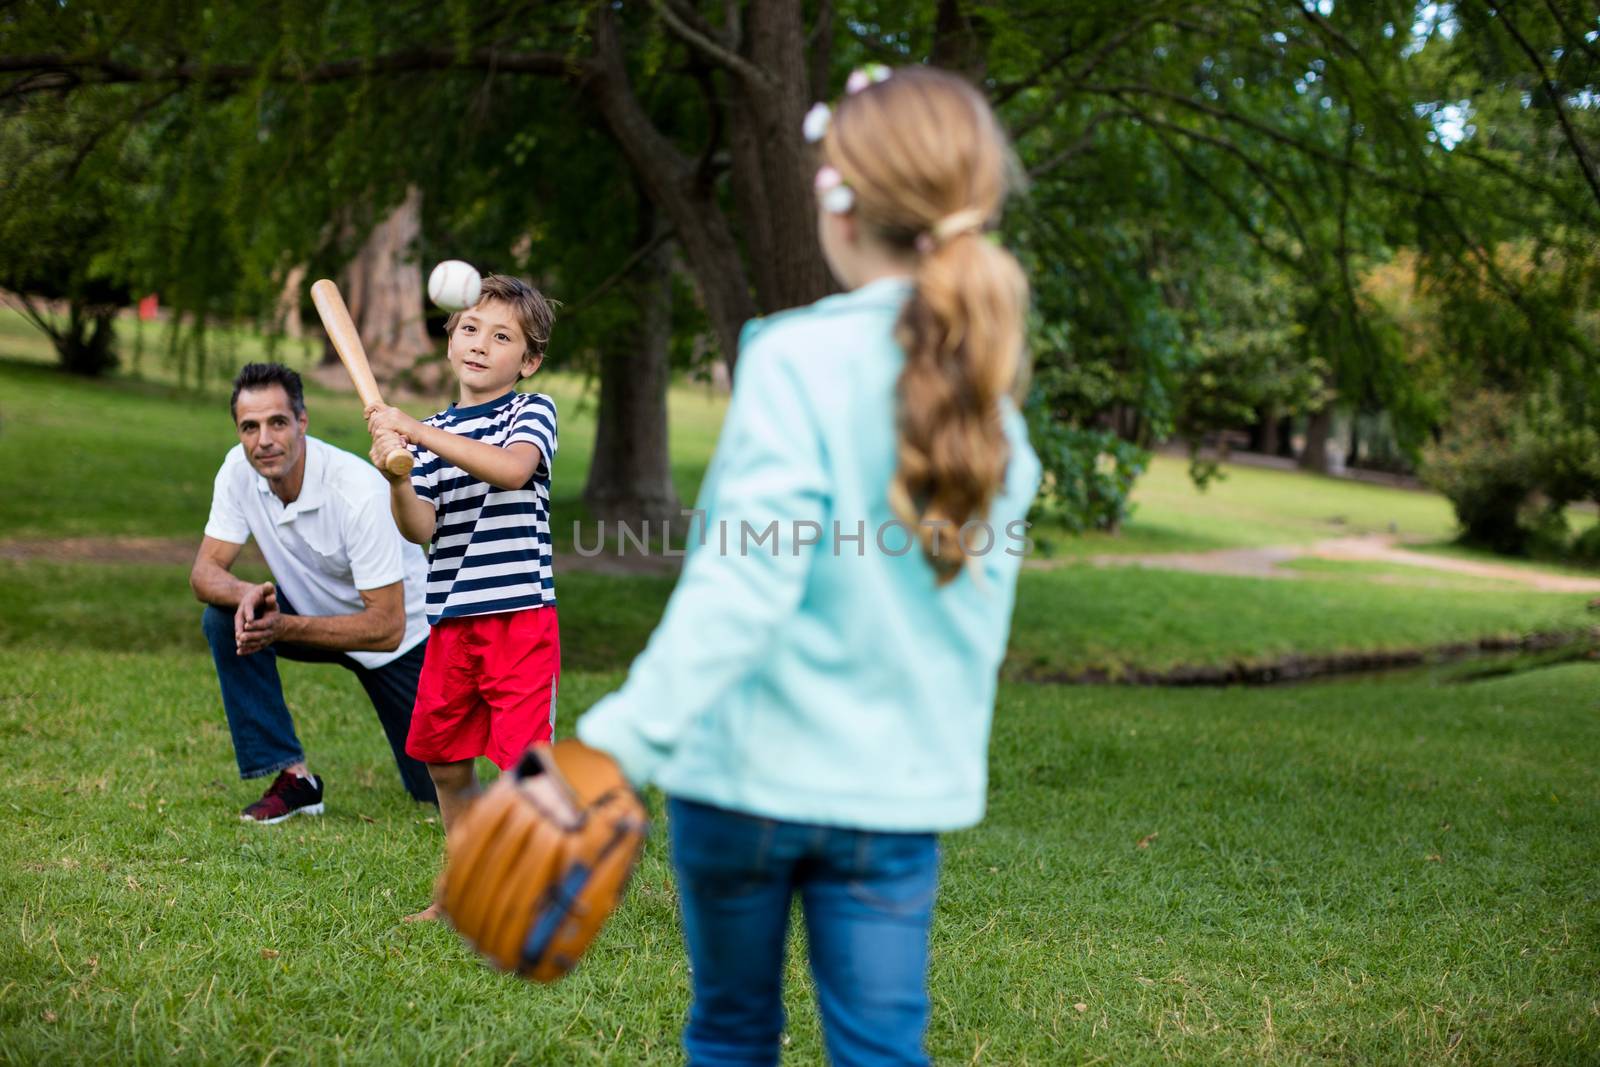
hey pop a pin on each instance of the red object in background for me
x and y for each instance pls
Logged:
(148, 307)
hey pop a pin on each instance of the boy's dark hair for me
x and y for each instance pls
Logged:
(534, 313)
(261, 375)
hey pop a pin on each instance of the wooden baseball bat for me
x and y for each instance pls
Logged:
(347, 342)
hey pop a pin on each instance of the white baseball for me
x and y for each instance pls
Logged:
(454, 285)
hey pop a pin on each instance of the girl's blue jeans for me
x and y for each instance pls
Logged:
(867, 899)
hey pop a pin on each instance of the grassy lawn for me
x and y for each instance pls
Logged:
(1073, 618)
(150, 445)
(1367, 872)
(1390, 870)
(1251, 506)
(1345, 568)
(122, 458)
(1067, 621)
(119, 457)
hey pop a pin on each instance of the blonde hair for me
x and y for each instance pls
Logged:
(535, 315)
(929, 167)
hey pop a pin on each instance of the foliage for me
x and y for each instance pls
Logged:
(58, 202)
(1518, 304)
(1248, 360)
(1511, 468)
(1207, 187)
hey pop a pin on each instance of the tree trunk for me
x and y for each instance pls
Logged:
(87, 346)
(780, 227)
(1264, 431)
(384, 291)
(773, 201)
(630, 478)
(1314, 457)
(959, 41)
(1284, 441)
(287, 314)
(673, 183)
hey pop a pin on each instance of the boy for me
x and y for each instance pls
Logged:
(480, 495)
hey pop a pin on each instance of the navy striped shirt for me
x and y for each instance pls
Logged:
(491, 547)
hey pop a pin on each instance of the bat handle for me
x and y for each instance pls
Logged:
(398, 462)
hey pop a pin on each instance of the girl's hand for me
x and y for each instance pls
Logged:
(382, 417)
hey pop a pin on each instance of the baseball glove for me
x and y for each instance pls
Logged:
(541, 859)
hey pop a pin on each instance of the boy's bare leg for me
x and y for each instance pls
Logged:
(457, 785)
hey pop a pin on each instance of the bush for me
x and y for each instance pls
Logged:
(1510, 472)
(1586, 546)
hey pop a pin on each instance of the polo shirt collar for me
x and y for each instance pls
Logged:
(312, 490)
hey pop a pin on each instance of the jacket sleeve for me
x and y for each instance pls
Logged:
(742, 581)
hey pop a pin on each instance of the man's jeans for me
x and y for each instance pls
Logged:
(264, 740)
(868, 904)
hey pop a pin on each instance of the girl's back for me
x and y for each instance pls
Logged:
(842, 685)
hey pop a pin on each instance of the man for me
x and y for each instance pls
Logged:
(346, 589)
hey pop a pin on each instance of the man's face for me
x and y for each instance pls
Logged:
(274, 437)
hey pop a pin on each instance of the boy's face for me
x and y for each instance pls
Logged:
(489, 351)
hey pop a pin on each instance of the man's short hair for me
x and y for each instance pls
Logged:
(260, 376)
(534, 314)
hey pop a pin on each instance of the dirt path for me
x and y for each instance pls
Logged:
(1268, 562)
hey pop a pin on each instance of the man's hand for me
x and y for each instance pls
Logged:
(381, 418)
(257, 622)
(385, 442)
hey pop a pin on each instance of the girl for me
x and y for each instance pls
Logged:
(816, 700)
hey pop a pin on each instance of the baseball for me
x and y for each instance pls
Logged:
(454, 285)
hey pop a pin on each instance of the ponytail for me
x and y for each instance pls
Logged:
(962, 335)
(917, 156)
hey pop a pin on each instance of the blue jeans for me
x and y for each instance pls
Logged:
(868, 903)
(264, 741)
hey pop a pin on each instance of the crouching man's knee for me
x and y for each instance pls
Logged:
(218, 627)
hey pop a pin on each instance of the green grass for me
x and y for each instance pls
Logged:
(1077, 617)
(1069, 620)
(121, 458)
(1452, 550)
(1325, 877)
(1376, 871)
(142, 348)
(1251, 506)
(1316, 566)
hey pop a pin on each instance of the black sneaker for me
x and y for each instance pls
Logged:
(289, 795)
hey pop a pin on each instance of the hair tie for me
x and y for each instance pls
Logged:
(947, 229)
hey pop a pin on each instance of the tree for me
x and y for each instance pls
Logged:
(383, 287)
(1289, 140)
(56, 206)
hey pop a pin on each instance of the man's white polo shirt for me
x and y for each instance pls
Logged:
(337, 538)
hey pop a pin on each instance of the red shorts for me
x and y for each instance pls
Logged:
(488, 687)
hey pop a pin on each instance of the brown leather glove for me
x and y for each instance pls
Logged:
(539, 861)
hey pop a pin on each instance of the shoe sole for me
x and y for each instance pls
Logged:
(309, 809)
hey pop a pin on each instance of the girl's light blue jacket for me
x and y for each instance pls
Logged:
(812, 670)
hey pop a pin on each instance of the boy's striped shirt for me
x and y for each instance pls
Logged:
(491, 548)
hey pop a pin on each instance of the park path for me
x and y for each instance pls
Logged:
(1263, 562)
(1267, 562)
